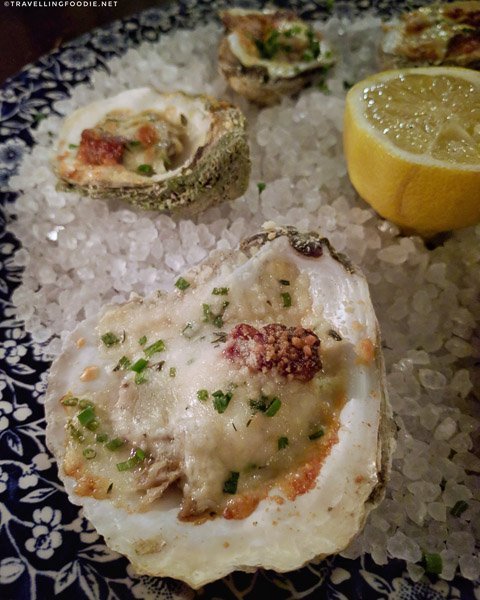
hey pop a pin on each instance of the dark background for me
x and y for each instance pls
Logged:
(27, 33)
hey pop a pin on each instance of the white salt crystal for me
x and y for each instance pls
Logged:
(470, 566)
(445, 429)
(437, 511)
(432, 380)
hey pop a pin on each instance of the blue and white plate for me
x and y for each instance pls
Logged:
(47, 548)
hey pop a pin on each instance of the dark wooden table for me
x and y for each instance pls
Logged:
(27, 33)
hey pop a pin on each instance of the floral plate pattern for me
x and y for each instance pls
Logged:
(48, 549)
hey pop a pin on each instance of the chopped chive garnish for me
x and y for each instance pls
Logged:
(145, 170)
(134, 143)
(140, 454)
(140, 378)
(183, 119)
(282, 442)
(283, 282)
(39, 117)
(101, 438)
(72, 146)
(230, 485)
(133, 461)
(220, 291)
(316, 434)
(202, 395)
(172, 372)
(110, 339)
(220, 337)
(143, 340)
(69, 401)
(333, 334)
(433, 563)
(274, 407)
(114, 444)
(248, 422)
(93, 425)
(323, 87)
(76, 433)
(157, 346)
(126, 465)
(140, 365)
(86, 416)
(109, 489)
(84, 403)
(287, 299)
(221, 400)
(269, 406)
(207, 313)
(182, 284)
(123, 364)
(459, 508)
(261, 186)
(89, 453)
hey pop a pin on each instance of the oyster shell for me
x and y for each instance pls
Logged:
(239, 421)
(268, 54)
(173, 152)
(440, 34)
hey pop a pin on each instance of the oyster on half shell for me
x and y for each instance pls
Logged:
(238, 421)
(173, 151)
(268, 54)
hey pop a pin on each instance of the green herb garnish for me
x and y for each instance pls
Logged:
(110, 339)
(133, 461)
(76, 433)
(274, 407)
(37, 117)
(231, 484)
(220, 291)
(172, 372)
(134, 144)
(287, 299)
(89, 453)
(86, 416)
(101, 438)
(84, 403)
(114, 444)
(140, 378)
(69, 401)
(282, 442)
(221, 400)
(143, 340)
(316, 434)
(146, 170)
(123, 364)
(333, 334)
(183, 119)
(157, 346)
(72, 146)
(182, 284)
(270, 46)
(433, 563)
(261, 186)
(210, 317)
(459, 508)
(93, 425)
(140, 365)
(202, 395)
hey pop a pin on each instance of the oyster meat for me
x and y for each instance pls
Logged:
(440, 34)
(173, 152)
(271, 53)
(239, 421)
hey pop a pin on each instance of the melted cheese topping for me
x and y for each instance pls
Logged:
(170, 411)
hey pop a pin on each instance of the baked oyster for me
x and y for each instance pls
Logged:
(268, 54)
(440, 34)
(239, 421)
(169, 152)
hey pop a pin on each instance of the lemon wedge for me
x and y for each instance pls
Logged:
(412, 145)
